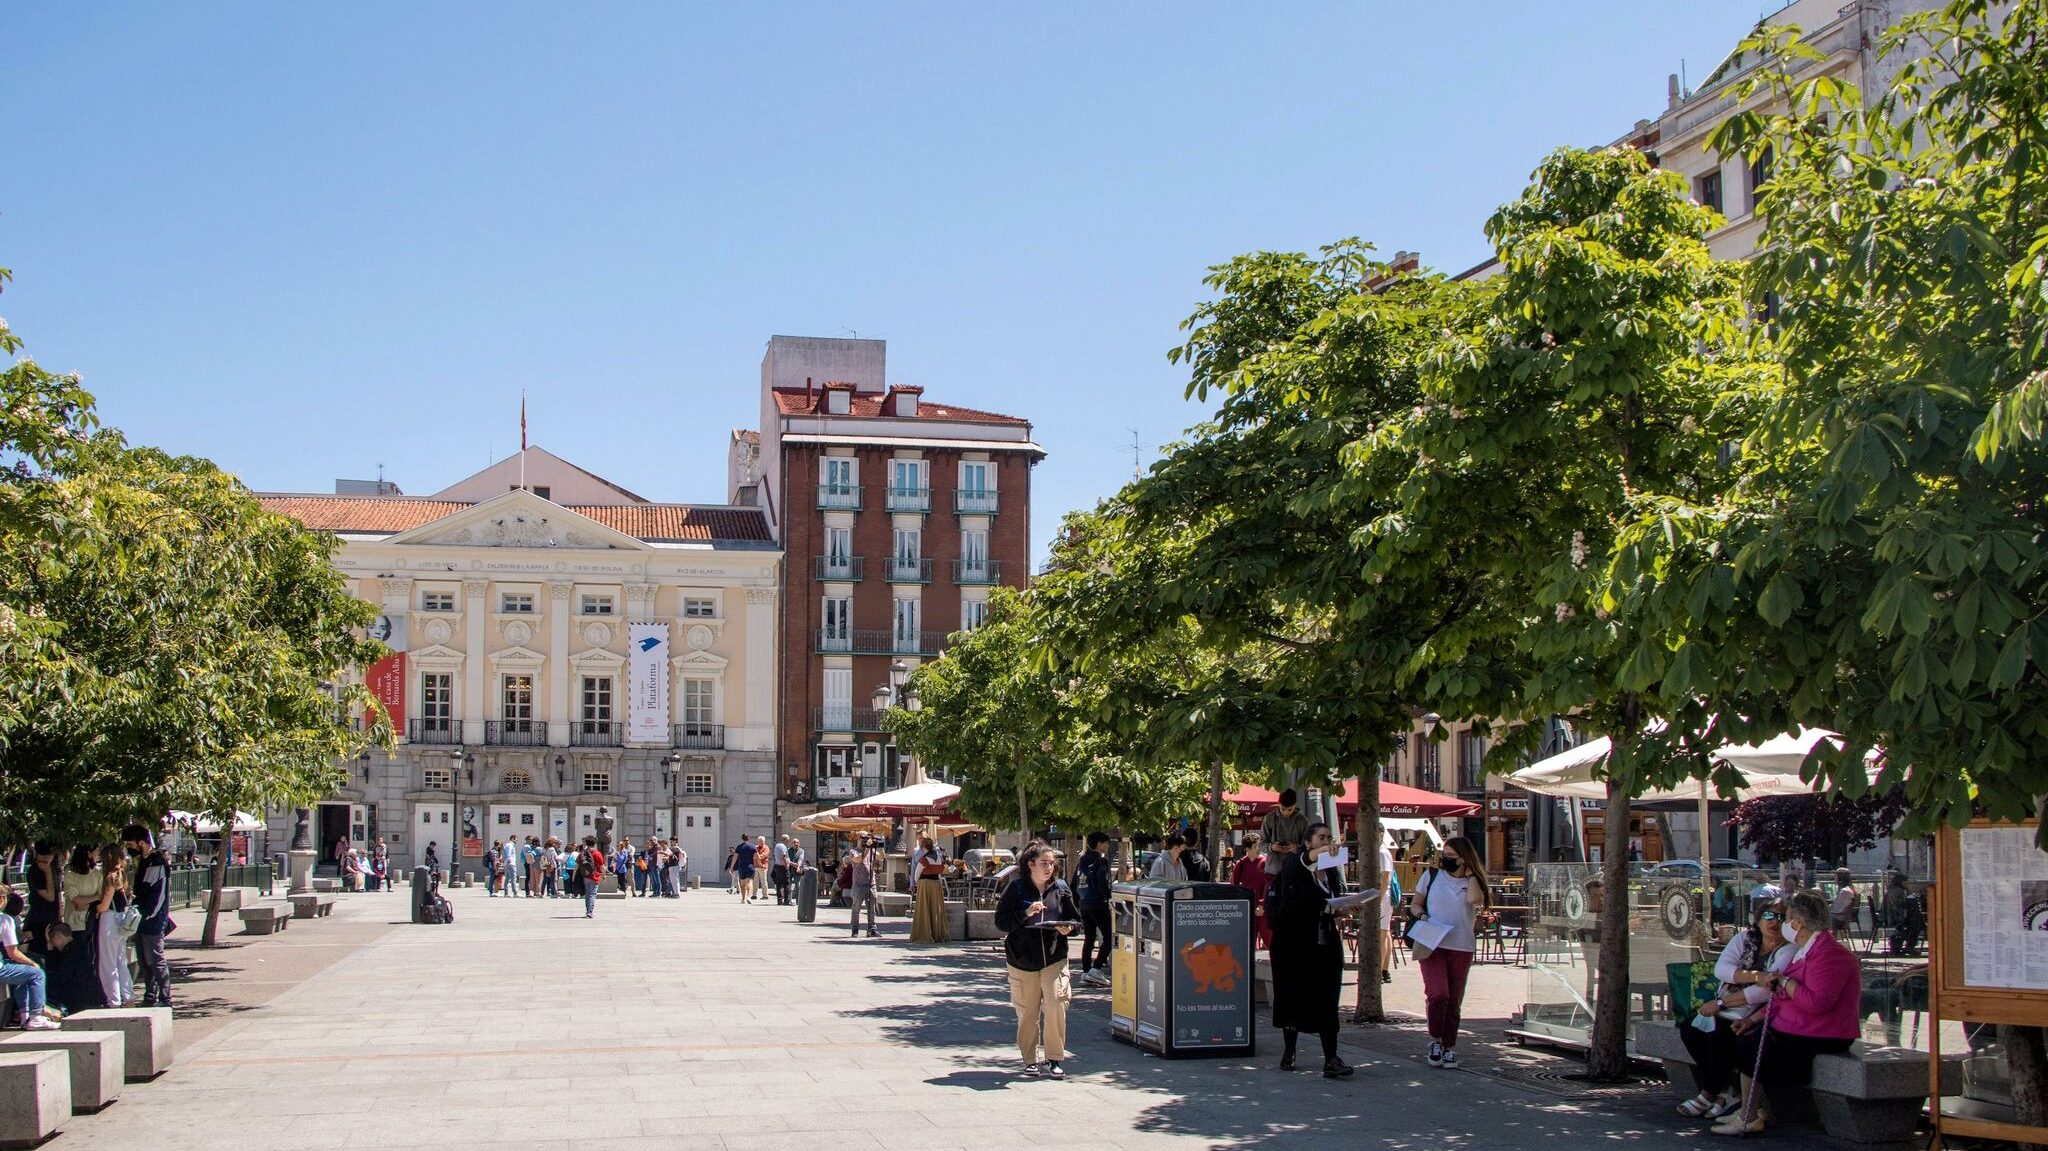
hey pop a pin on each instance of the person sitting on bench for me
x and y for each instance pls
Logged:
(1813, 1011)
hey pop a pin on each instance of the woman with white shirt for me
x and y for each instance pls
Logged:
(1447, 903)
(1709, 1035)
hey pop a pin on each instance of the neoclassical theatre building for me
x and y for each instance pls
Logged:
(560, 646)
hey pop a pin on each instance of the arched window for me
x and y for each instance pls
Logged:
(517, 780)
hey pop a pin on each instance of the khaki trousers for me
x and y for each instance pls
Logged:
(1041, 993)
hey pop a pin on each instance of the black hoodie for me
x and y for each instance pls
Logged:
(1029, 948)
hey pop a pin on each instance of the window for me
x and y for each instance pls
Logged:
(437, 701)
(906, 475)
(597, 781)
(597, 704)
(972, 613)
(974, 551)
(698, 697)
(437, 601)
(977, 476)
(906, 625)
(437, 778)
(1707, 190)
(697, 783)
(909, 546)
(1428, 764)
(1471, 753)
(515, 780)
(1759, 175)
(516, 703)
(597, 605)
(838, 699)
(838, 546)
(838, 620)
(700, 607)
(839, 474)
(516, 603)
(543, 491)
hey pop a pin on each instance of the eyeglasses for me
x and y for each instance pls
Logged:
(1770, 917)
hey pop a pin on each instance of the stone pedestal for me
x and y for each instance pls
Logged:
(35, 1096)
(302, 872)
(99, 1060)
(609, 887)
(146, 1033)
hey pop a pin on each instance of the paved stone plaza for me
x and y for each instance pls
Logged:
(699, 1023)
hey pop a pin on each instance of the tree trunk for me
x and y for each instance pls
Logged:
(1371, 1007)
(210, 934)
(1215, 809)
(2027, 1063)
(1607, 1057)
(1023, 815)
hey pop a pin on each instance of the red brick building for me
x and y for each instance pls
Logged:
(897, 514)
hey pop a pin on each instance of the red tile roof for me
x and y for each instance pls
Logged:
(651, 523)
(749, 435)
(795, 402)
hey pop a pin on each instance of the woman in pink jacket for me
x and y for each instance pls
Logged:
(1814, 1010)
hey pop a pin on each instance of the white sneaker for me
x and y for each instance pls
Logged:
(40, 1023)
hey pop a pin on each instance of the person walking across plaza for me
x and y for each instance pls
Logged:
(153, 899)
(1036, 914)
(742, 867)
(1308, 950)
(19, 973)
(1251, 875)
(861, 868)
(1447, 902)
(508, 868)
(589, 873)
(1091, 883)
(1283, 831)
(928, 910)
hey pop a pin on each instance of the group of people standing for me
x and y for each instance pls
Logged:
(758, 867)
(544, 869)
(362, 870)
(653, 870)
(64, 943)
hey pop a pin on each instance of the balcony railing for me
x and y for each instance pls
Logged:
(846, 568)
(910, 499)
(846, 719)
(595, 733)
(880, 641)
(968, 572)
(838, 497)
(700, 736)
(908, 570)
(516, 732)
(447, 731)
(972, 503)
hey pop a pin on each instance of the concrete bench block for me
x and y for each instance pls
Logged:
(893, 902)
(98, 1059)
(312, 905)
(146, 1030)
(235, 898)
(325, 884)
(265, 920)
(982, 925)
(35, 1096)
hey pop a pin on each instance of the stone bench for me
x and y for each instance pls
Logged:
(312, 905)
(895, 903)
(98, 1060)
(1869, 1095)
(145, 1034)
(323, 883)
(982, 925)
(265, 919)
(35, 1096)
(234, 898)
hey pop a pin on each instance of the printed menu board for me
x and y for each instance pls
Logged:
(2005, 909)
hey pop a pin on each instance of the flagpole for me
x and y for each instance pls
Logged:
(522, 439)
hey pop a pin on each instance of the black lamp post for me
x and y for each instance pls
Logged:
(460, 761)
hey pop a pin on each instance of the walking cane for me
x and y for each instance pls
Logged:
(1755, 1078)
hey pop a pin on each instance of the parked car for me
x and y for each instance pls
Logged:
(1687, 868)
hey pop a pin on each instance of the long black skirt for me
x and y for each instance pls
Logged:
(1308, 979)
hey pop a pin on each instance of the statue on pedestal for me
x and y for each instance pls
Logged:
(604, 832)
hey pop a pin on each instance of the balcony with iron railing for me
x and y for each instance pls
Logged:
(909, 569)
(974, 503)
(916, 499)
(442, 731)
(516, 732)
(968, 573)
(879, 641)
(595, 733)
(839, 497)
(700, 736)
(834, 718)
(847, 568)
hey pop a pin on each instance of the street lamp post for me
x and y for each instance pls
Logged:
(461, 760)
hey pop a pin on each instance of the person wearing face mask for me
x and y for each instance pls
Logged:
(1709, 1034)
(153, 897)
(1450, 897)
(1814, 1009)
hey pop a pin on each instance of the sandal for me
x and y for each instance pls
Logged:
(1699, 1106)
(1724, 1105)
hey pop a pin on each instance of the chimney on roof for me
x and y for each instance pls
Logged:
(1405, 261)
(1673, 94)
(902, 400)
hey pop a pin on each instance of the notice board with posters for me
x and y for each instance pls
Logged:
(1211, 1000)
(1987, 948)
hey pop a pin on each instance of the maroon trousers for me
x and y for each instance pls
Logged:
(1443, 992)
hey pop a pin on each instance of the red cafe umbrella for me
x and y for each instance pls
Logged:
(1396, 800)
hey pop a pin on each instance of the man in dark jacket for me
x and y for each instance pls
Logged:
(1036, 914)
(153, 896)
(1091, 876)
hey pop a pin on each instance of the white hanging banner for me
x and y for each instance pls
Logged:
(647, 683)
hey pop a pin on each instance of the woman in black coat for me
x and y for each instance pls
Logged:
(1307, 951)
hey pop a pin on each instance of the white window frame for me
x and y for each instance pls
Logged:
(908, 546)
(841, 474)
(596, 780)
(607, 693)
(837, 617)
(972, 471)
(506, 705)
(517, 603)
(446, 701)
(437, 778)
(700, 607)
(973, 613)
(596, 603)
(903, 616)
(437, 600)
(919, 471)
(699, 783)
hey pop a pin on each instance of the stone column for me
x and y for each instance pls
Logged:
(476, 618)
(761, 653)
(559, 700)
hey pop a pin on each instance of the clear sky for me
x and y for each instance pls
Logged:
(309, 239)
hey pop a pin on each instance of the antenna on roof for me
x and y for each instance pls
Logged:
(1137, 470)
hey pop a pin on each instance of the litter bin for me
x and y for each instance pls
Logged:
(1191, 968)
(1123, 964)
(807, 895)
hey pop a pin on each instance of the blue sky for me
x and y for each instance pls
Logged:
(304, 240)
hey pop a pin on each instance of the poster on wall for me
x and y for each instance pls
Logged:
(2005, 909)
(386, 677)
(647, 683)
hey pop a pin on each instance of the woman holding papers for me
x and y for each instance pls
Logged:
(1036, 914)
(1446, 904)
(1307, 952)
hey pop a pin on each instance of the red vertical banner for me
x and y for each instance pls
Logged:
(387, 683)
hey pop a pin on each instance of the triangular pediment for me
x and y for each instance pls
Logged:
(519, 519)
(701, 660)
